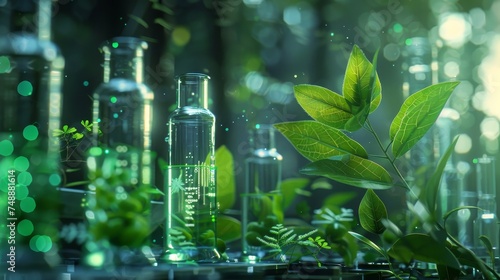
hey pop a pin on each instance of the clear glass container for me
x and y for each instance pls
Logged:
(262, 199)
(31, 77)
(486, 222)
(123, 104)
(190, 189)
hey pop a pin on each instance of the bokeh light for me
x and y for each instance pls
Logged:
(40, 243)
(4, 64)
(30, 132)
(464, 144)
(21, 163)
(25, 227)
(490, 128)
(27, 205)
(6, 148)
(25, 88)
(21, 192)
(454, 29)
(181, 36)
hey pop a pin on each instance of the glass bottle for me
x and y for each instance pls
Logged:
(262, 197)
(417, 76)
(31, 71)
(123, 106)
(191, 205)
(487, 221)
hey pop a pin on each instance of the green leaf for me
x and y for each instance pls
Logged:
(316, 141)
(422, 247)
(361, 89)
(371, 213)
(446, 272)
(162, 164)
(163, 8)
(87, 124)
(431, 191)
(288, 187)
(369, 243)
(226, 186)
(465, 207)
(351, 170)
(489, 247)
(335, 201)
(228, 228)
(57, 132)
(139, 21)
(467, 257)
(417, 114)
(323, 105)
(163, 23)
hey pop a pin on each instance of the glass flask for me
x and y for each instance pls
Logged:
(31, 71)
(261, 200)
(190, 189)
(123, 104)
(486, 222)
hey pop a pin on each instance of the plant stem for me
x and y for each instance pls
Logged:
(391, 160)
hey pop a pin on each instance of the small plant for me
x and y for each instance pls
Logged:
(337, 156)
(74, 144)
(285, 242)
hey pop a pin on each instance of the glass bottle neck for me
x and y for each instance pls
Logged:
(123, 59)
(262, 138)
(192, 90)
(485, 171)
(27, 17)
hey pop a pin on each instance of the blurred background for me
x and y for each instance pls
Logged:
(256, 50)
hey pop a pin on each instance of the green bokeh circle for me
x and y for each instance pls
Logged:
(24, 178)
(28, 205)
(30, 132)
(21, 163)
(6, 148)
(25, 88)
(21, 192)
(25, 227)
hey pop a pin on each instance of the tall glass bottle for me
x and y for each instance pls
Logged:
(190, 191)
(31, 70)
(487, 221)
(123, 105)
(262, 197)
(418, 75)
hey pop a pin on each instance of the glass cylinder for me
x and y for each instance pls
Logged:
(487, 221)
(123, 104)
(262, 199)
(31, 71)
(190, 189)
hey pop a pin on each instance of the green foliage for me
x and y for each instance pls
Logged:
(314, 146)
(371, 213)
(351, 170)
(71, 140)
(289, 189)
(284, 241)
(417, 114)
(334, 155)
(226, 186)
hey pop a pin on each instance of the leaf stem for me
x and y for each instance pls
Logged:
(387, 156)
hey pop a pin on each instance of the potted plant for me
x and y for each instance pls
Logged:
(337, 156)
